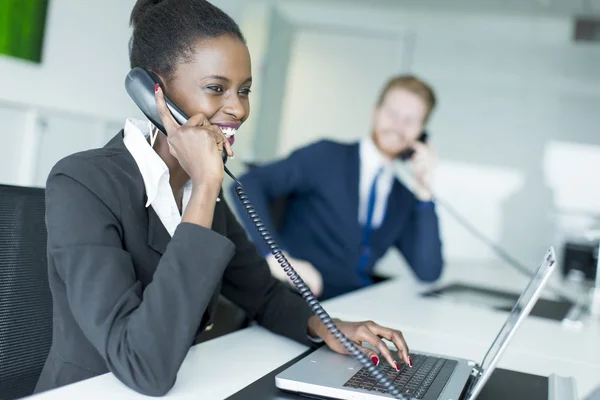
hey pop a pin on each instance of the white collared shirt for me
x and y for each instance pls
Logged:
(155, 174)
(371, 160)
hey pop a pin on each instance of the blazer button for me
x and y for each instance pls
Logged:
(209, 327)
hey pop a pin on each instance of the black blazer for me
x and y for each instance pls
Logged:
(130, 299)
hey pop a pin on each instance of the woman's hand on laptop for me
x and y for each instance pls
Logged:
(363, 332)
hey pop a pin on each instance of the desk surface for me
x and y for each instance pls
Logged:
(540, 347)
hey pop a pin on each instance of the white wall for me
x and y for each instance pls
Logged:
(84, 64)
(69, 101)
(512, 89)
(509, 88)
(75, 98)
(85, 60)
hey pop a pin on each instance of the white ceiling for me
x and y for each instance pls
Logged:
(542, 7)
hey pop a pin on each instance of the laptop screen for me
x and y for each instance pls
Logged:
(519, 311)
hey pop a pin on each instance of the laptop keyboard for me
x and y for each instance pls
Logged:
(412, 382)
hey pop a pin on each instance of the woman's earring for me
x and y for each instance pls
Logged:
(153, 135)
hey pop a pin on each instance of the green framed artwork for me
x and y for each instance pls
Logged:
(22, 25)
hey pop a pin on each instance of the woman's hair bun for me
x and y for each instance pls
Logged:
(140, 8)
(165, 32)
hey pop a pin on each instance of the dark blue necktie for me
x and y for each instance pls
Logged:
(366, 233)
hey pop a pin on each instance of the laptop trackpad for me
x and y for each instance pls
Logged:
(323, 367)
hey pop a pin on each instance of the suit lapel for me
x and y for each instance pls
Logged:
(158, 236)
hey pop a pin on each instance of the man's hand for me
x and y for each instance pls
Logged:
(363, 332)
(309, 274)
(423, 163)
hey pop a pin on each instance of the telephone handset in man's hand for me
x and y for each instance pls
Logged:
(407, 154)
(140, 85)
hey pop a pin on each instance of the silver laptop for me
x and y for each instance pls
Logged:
(325, 373)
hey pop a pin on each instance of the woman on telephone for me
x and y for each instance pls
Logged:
(140, 241)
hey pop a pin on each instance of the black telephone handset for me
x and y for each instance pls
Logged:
(407, 154)
(140, 87)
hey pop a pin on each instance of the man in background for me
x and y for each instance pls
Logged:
(345, 206)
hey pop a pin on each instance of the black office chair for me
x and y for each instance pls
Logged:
(25, 299)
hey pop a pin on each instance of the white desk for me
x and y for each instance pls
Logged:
(540, 347)
(397, 303)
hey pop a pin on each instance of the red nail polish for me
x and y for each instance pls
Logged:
(375, 360)
(397, 366)
(410, 361)
(156, 88)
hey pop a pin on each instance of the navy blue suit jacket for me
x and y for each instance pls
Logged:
(320, 225)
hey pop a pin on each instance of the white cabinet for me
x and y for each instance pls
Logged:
(34, 140)
(13, 122)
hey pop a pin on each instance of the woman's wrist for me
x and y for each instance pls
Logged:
(205, 189)
(201, 206)
(313, 326)
(316, 329)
